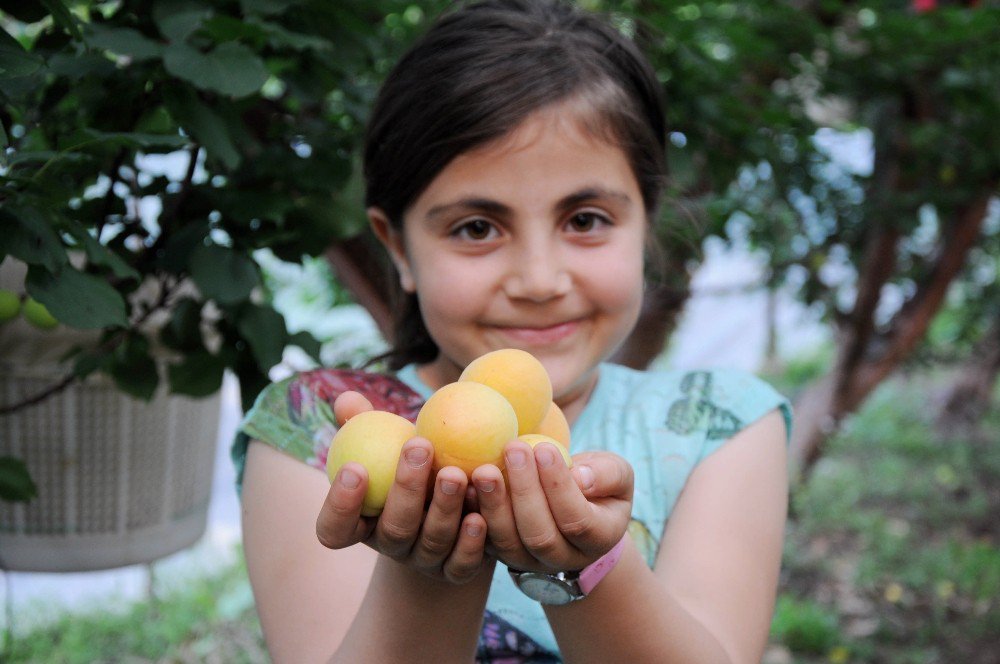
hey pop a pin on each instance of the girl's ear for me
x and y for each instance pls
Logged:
(392, 240)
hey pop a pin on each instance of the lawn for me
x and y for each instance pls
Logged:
(892, 556)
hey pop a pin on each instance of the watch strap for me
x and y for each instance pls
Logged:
(592, 574)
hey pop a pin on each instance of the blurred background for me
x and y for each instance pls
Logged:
(181, 221)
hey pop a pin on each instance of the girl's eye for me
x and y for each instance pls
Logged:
(476, 229)
(584, 222)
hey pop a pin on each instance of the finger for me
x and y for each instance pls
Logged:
(348, 404)
(441, 524)
(339, 523)
(535, 525)
(503, 540)
(603, 474)
(399, 524)
(466, 558)
(573, 515)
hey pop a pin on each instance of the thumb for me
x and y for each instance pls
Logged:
(348, 404)
(603, 474)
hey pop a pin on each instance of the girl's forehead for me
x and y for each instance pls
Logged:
(568, 121)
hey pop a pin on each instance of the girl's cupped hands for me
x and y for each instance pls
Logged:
(423, 524)
(537, 515)
(549, 517)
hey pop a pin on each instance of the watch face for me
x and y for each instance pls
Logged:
(545, 589)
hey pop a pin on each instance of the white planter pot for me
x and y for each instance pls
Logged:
(120, 481)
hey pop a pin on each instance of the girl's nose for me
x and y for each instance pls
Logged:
(537, 278)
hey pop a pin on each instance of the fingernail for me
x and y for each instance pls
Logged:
(544, 456)
(416, 456)
(584, 477)
(473, 530)
(516, 459)
(449, 488)
(486, 486)
(349, 479)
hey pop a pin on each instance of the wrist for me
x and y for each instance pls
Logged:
(566, 587)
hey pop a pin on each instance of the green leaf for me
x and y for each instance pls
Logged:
(64, 17)
(183, 332)
(139, 140)
(231, 69)
(16, 484)
(280, 37)
(28, 236)
(205, 125)
(77, 299)
(181, 245)
(98, 254)
(265, 331)
(133, 369)
(123, 41)
(14, 60)
(308, 343)
(177, 20)
(197, 375)
(266, 7)
(224, 275)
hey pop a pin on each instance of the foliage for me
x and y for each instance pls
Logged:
(210, 618)
(896, 534)
(150, 149)
(804, 626)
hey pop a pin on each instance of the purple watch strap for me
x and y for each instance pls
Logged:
(592, 574)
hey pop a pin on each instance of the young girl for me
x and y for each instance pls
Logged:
(513, 164)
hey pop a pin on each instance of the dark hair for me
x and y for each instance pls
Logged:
(477, 74)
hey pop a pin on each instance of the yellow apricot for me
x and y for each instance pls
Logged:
(374, 439)
(554, 425)
(520, 378)
(534, 439)
(468, 424)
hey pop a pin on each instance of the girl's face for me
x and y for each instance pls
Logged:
(532, 242)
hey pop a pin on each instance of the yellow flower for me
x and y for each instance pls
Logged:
(893, 592)
(839, 655)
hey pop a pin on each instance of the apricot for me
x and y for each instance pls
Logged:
(520, 378)
(38, 315)
(468, 424)
(554, 425)
(534, 439)
(10, 305)
(374, 439)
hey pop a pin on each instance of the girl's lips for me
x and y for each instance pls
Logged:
(541, 335)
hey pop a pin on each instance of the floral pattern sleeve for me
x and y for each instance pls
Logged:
(295, 415)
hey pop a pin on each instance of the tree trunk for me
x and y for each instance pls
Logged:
(969, 398)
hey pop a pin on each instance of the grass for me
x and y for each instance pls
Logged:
(209, 619)
(893, 558)
(894, 553)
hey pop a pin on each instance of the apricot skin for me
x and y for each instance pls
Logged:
(374, 439)
(468, 424)
(520, 378)
(554, 425)
(534, 439)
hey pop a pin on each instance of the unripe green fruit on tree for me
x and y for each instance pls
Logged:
(10, 305)
(374, 439)
(35, 313)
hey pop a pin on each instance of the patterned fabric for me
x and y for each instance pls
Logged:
(664, 423)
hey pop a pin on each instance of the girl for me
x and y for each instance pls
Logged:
(513, 165)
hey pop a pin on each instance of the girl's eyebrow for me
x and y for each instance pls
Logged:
(563, 205)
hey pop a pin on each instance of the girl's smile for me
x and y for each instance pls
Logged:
(534, 242)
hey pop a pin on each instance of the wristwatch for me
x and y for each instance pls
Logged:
(565, 587)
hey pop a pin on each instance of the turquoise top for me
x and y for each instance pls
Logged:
(663, 422)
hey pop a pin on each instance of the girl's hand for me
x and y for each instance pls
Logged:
(440, 542)
(553, 518)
